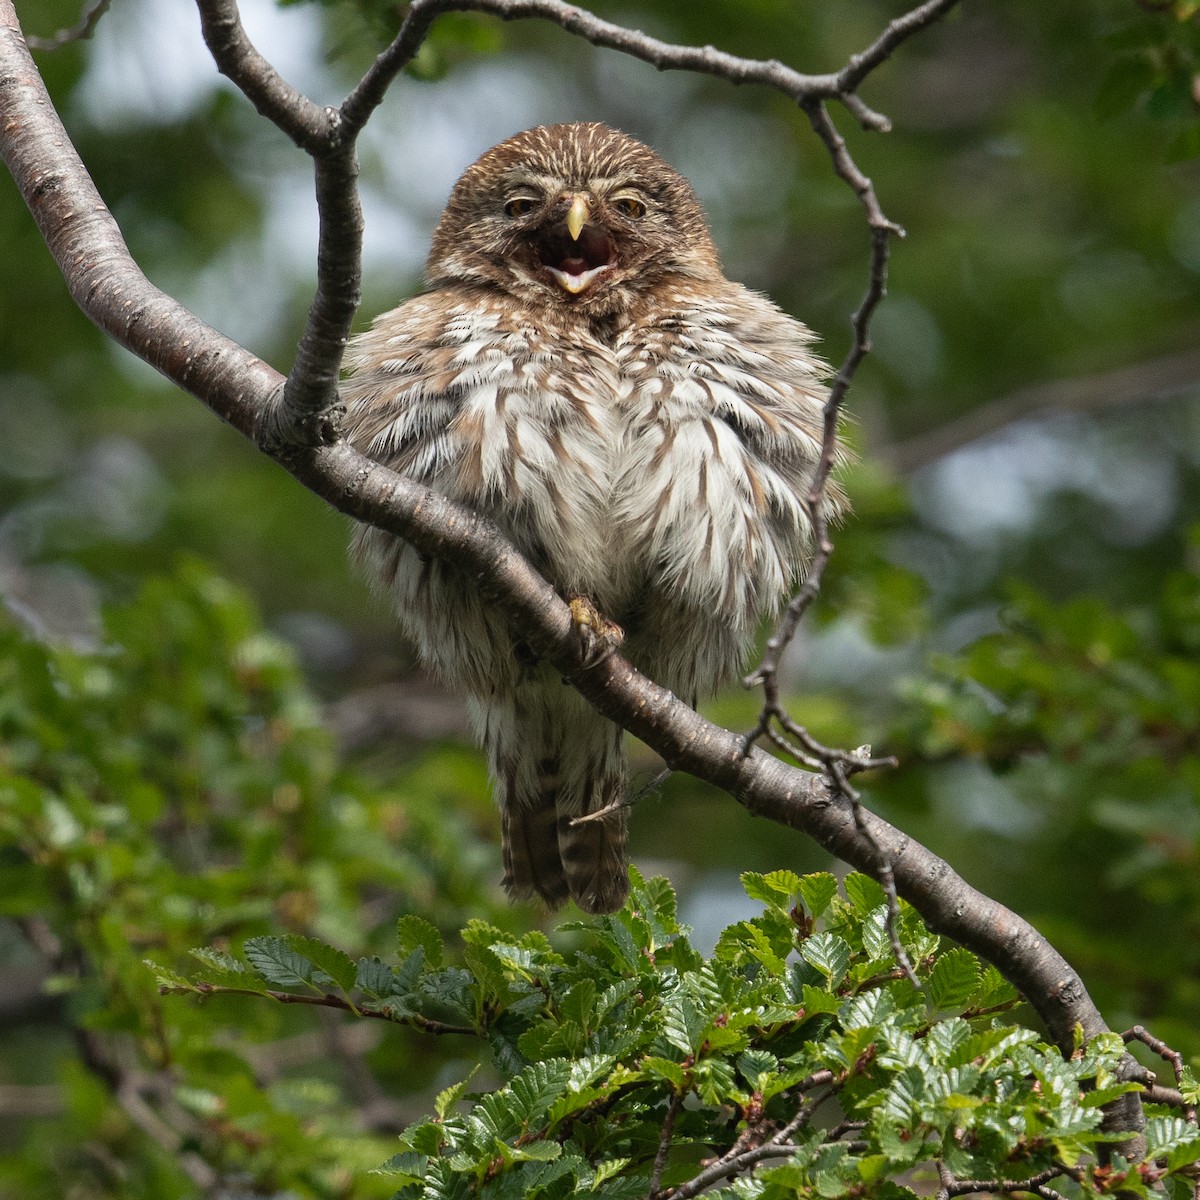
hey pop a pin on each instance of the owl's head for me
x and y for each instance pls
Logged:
(577, 216)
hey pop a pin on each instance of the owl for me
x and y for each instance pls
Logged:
(645, 431)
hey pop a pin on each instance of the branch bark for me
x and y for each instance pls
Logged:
(110, 288)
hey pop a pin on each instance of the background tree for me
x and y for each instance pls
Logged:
(1053, 268)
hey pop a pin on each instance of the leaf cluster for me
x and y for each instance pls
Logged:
(795, 1061)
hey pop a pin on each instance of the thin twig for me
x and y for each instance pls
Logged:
(664, 56)
(742, 1156)
(80, 31)
(949, 1186)
(629, 801)
(1140, 1034)
(325, 1000)
(664, 1143)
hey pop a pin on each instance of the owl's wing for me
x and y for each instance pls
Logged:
(410, 378)
(725, 428)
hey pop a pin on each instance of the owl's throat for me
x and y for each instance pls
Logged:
(575, 263)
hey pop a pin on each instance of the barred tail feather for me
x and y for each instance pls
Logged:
(529, 840)
(553, 759)
(593, 777)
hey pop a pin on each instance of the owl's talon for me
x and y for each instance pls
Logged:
(599, 636)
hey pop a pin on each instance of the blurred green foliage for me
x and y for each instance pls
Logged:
(171, 788)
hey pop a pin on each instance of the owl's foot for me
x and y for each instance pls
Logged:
(600, 636)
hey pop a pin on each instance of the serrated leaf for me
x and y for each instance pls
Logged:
(537, 1087)
(579, 1004)
(664, 1068)
(656, 897)
(775, 889)
(164, 977)
(994, 989)
(830, 955)
(449, 1097)
(954, 979)
(543, 1151)
(374, 976)
(817, 891)
(1165, 1135)
(413, 931)
(224, 969)
(863, 892)
(337, 966)
(875, 938)
(277, 962)
(755, 1063)
(607, 1169)
(410, 1166)
(817, 1000)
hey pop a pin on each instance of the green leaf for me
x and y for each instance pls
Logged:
(778, 889)
(413, 931)
(449, 1097)
(277, 962)
(339, 967)
(817, 891)
(374, 977)
(664, 1068)
(409, 1166)
(829, 953)
(954, 979)
(221, 970)
(1169, 1135)
(863, 892)
(543, 1151)
(537, 1087)
(607, 1169)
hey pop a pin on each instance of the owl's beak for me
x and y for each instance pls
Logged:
(578, 215)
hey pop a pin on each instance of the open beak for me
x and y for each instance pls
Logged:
(575, 251)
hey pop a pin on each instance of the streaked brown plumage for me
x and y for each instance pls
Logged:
(643, 429)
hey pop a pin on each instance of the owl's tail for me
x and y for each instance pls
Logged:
(553, 758)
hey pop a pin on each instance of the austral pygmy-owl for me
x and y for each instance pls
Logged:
(644, 430)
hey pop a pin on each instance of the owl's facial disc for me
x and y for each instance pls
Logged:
(574, 251)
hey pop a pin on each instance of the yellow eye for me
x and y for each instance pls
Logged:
(520, 206)
(629, 206)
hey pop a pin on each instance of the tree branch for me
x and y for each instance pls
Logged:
(304, 413)
(311, 127)
(83, 29)
(325, 1000)
(1141, 383)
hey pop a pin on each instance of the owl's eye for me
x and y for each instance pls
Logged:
(520, 206)
(629, 206)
